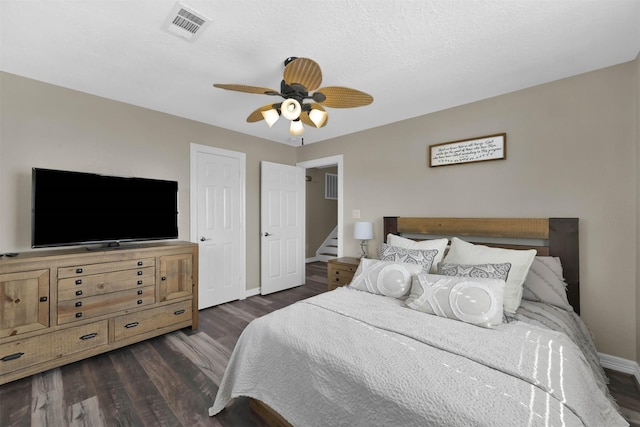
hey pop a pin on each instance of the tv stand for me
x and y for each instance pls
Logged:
(65, 305)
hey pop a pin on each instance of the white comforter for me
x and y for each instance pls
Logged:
(349, 358)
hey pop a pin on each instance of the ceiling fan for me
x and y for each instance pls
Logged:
(301, 82)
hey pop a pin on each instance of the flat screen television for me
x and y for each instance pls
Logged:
(78, 208)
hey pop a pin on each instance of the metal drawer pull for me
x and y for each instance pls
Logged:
(89, 336)
(131, 325)
(79, 304)
(79, 282)
(140, 292)
(178, 312)
(139, 301)
(12, 357)
(139, 262)
(43, 299)
(78, 270)
(139, 273)
(139, 282)
(78, 293)
(78, 315)
(164, 278)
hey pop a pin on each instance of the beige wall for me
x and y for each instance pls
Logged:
(322, 214)
(637, 115)
(49, 126)
(571, 151)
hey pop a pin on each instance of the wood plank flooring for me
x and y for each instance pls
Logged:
(170, 380)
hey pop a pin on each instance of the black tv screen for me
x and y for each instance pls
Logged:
(76, 208)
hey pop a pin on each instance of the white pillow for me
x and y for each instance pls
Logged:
(392, 279)
(474, 300)
(461, 252)
(402, 242)
(424, 258)
(545, 283)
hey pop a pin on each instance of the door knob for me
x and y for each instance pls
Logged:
(267, 234)
(202, 239)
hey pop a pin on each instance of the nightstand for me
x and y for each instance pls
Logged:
(340, 271)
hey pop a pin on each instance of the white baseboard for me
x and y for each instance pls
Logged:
(619, 364)
(312, 259)
(252, 292)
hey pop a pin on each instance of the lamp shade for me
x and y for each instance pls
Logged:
(296, 128)
(270, 116)
(363, 230)
(318, 117)
(291, 109)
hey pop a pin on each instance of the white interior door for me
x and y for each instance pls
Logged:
(220, 224)
(282, 227)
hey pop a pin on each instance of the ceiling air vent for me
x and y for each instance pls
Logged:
(186, 22)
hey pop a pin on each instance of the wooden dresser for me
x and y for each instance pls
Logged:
(340, 271)
(65, 305)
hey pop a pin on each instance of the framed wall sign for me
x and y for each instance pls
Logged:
(480, 149)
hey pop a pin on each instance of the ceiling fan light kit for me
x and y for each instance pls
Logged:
(301, 77)
(270, 116)
(318, 117)
(296, 128)
(291, 109)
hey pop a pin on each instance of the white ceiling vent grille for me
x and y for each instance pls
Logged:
(186, 22)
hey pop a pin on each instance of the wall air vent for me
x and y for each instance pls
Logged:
(331, 186)
(186, 22)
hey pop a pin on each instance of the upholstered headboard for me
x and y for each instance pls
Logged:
(549, 236)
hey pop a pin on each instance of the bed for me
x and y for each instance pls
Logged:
(367, 355)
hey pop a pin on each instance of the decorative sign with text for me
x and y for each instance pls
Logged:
(482, 149)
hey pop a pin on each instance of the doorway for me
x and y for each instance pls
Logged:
(326, 162)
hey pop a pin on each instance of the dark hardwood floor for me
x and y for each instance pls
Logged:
(170, 380)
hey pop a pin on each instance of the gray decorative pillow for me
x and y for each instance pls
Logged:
(388, 278)
(472, 300)
(424, 258)
(486, 271)
(461, 252)
(545, 283)
(403, 242)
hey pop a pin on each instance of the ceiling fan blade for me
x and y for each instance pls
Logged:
(344, 97)
(256, 116)
(303, 71)
(247, 89)
(304, 116)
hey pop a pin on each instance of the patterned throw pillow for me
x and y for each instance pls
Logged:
(545, 283)
(462, 252)
(487, 271)
(403, 242)
(423, 258)
(388, 278)
(472, 300)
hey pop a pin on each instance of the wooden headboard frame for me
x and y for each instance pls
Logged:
(560, 237)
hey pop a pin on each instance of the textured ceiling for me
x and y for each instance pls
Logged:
(413, 57)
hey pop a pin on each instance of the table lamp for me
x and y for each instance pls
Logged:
(363, 231)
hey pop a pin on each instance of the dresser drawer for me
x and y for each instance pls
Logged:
(340, 280)
(340, 271)
(98, 284)
(43, 348)
(83, 308)
(105, 267)
(148, 320)
(342, 274)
